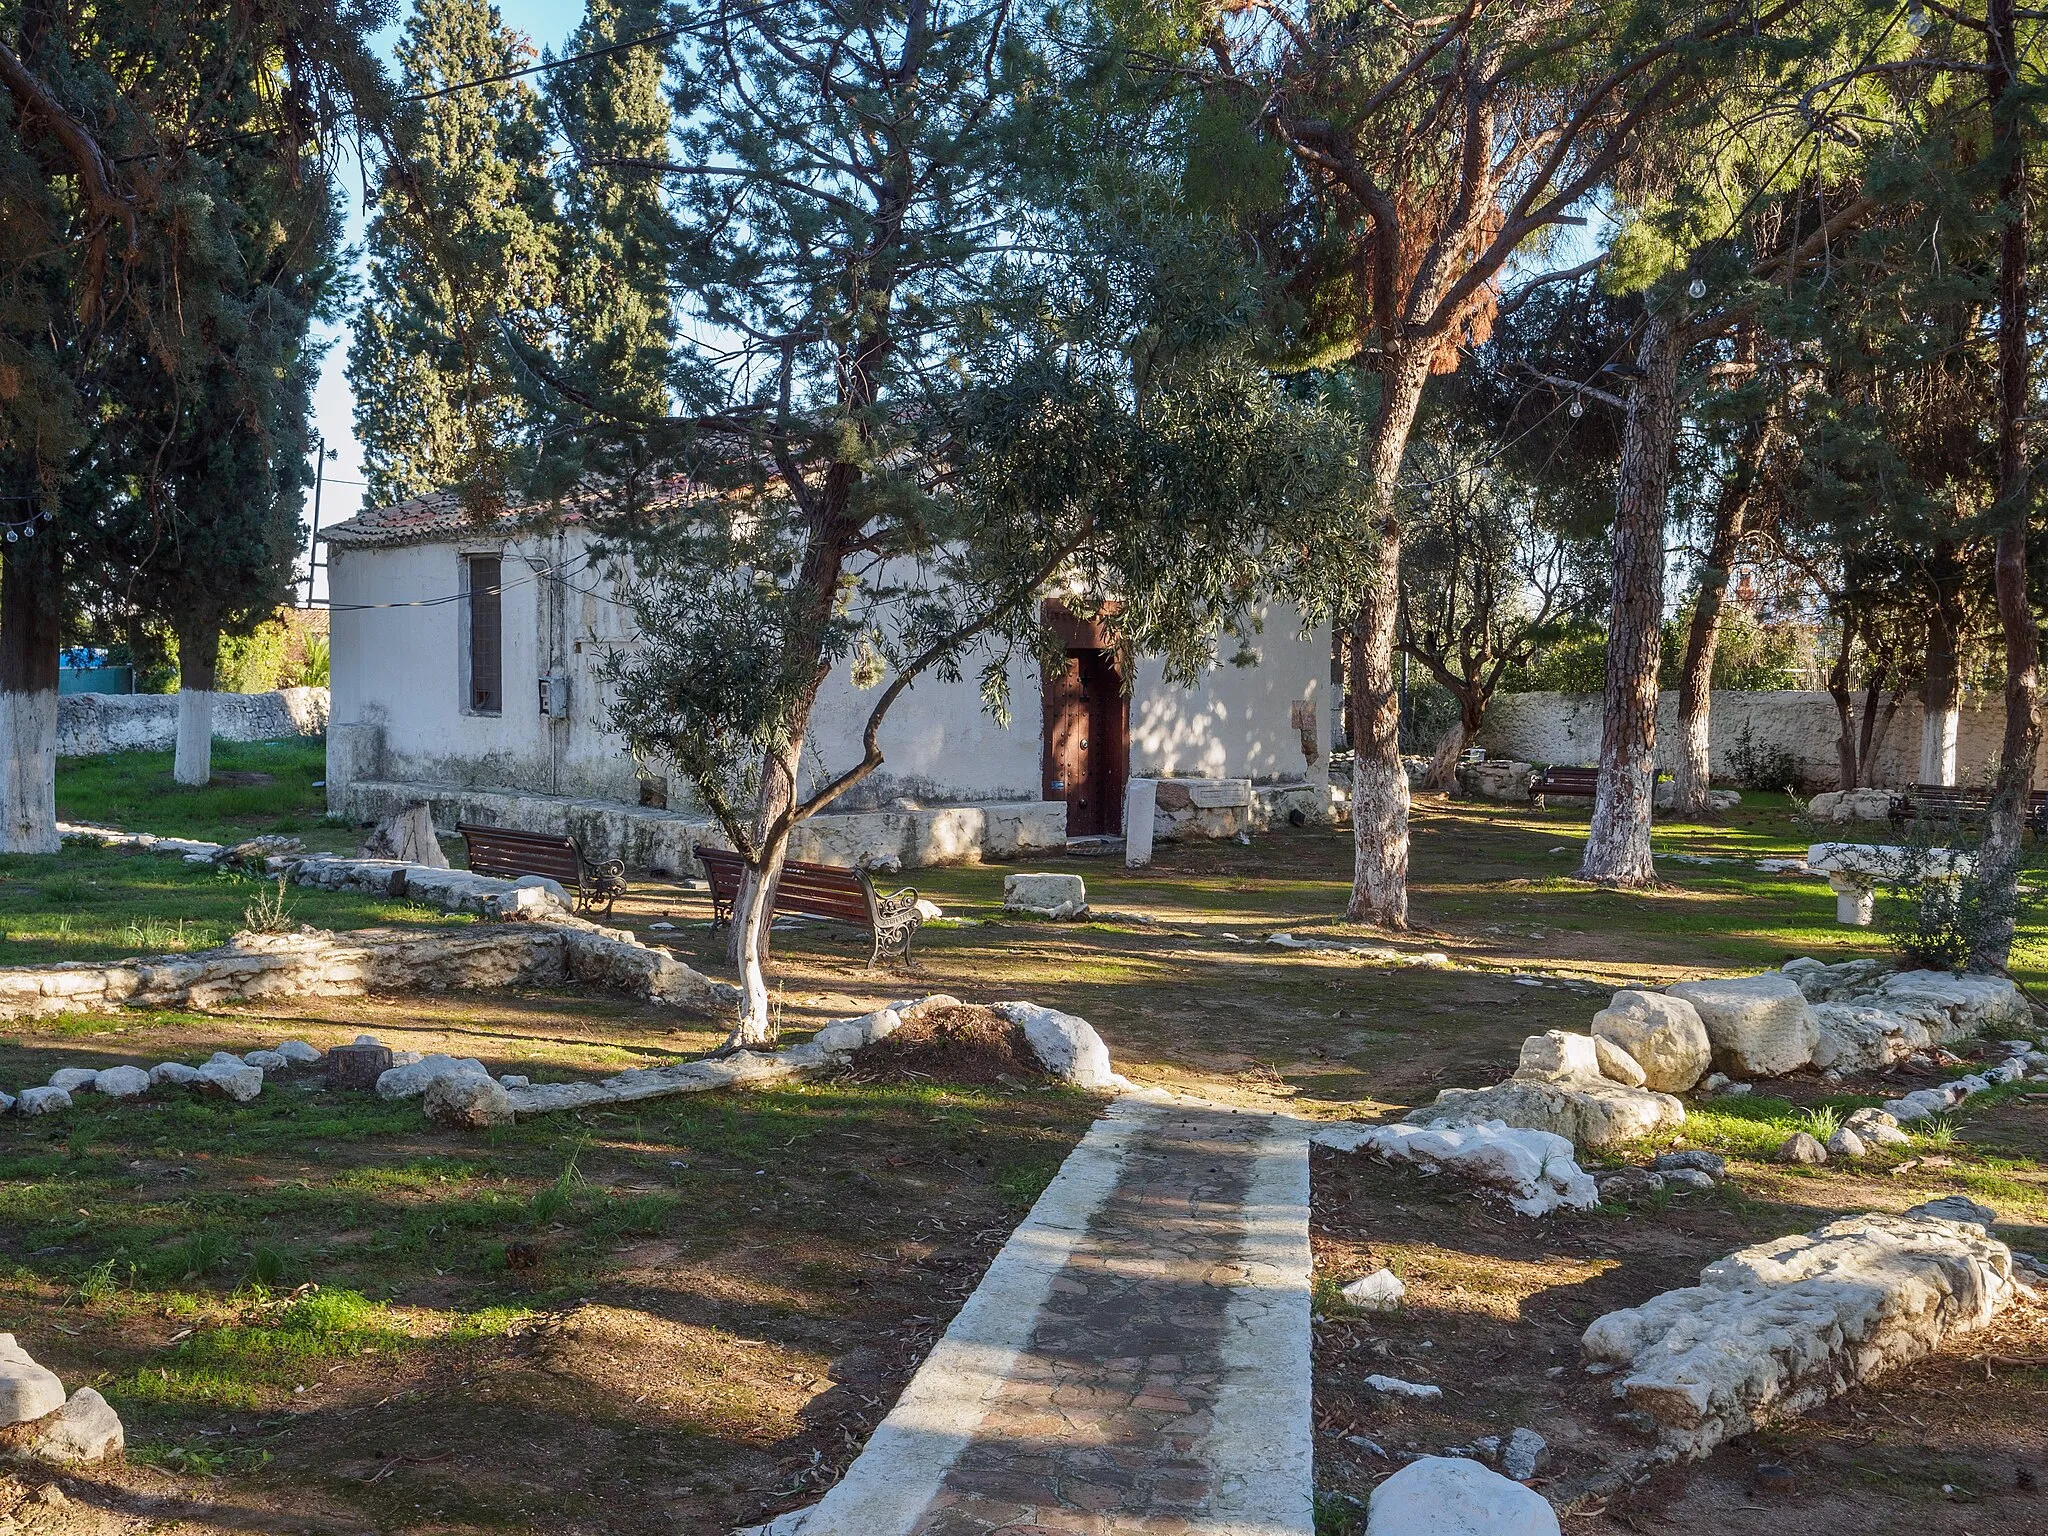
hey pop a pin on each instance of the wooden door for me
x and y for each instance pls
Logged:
(1087, 741)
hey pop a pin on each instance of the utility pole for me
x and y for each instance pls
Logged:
(321, 454)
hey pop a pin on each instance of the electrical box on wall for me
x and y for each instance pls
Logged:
(554, 695)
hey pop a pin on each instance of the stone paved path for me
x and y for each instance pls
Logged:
(1136, 1359)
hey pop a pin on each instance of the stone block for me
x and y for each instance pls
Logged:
(1558, 1054)
(1456, 1496)
(1065, 1044)
(1590, 1112)
(1760, 1026)
(174, 1072)
(42, 1101)
(120, 1082)
(466, 1102)
(1775, 1330)
(1838, 807)
(231, 1077)
(27, 1390)
(1663, 1034)
(415, 1078)
(1535, 1169)
(84, 1431)
(1617, 1064)
(71, 1079)
(1045, 895)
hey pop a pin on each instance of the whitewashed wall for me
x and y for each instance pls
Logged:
(1558, 728)
(91, 723)
(398, 697)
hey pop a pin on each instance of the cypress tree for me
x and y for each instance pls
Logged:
(461, 247)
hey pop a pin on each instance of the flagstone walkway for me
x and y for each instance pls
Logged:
(1135, 1360)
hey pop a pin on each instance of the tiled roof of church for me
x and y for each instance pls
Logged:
(441, 516)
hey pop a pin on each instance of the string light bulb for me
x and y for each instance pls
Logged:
(1917, 20)
(1578, 408)
(1696, 289)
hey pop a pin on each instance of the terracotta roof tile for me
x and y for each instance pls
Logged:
(439, 516)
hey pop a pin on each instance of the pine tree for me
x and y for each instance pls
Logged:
(462, 250)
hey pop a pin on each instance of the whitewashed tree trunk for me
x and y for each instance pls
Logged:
(753, 914)
(1379, 784)
(194, 761)
(30, 590)
(1938, 731)
(198, 660)
(1618, 843)
(28, 771)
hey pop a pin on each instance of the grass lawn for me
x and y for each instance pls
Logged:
(102, 904)
(257, 786)
(319, 1313)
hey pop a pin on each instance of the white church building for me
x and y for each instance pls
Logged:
(467, 672)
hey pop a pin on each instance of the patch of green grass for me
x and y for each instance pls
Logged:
(278, 1346)
(112, 903)
(258, 786)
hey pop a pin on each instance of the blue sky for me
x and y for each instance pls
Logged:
(548, 23)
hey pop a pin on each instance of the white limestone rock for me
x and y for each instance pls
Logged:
(1689, 1179)
(1456, 1496)
(1065, 1044)
(269, 1061)
(1777, 1329)
(1956, 1208)
(1823, 983)
(1760, 1026)
(1589, 1112)
(120, 1082)
(173, 1072)
(1617, 1065)
(1394, 1386)
(1855, 1037)
(1380, 1291)
(1955, 1007)
(1663, 1034)
(84, 1431)
(1837, 807)
(6, 1102)
(71, 1079)
(231, 1077)
(1535, 1169)
(1045, 895)
(467, 1102)
(1558, 1055)
(42, 1101)
(1711, 1165)
(842, 1037)
(1801, 1148)
(27, 1390)
(415, 1078)
(1523, 1454)
(1845, 1143)
(297, 1052)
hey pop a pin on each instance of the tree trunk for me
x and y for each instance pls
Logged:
(1846, 774)
(753, 916)
(31, 588)
(1379, 784)
(1940, 700)
(198, 664)
(1618, 843)
(1998, 859)
(1443, 768)
(1692, 776)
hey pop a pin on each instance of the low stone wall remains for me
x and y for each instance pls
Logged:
(91, 723)
(1564, 728)
(268, 967)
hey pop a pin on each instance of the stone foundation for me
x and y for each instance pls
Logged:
(659, 841)
(267, 967)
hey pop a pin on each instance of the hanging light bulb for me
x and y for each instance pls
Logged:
(1578, 408)
(1917, 20)
(12, 535)
(29, 532)
(1696, 289)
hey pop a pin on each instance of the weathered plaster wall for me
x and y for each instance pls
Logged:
(91, 723)
(1239, 722)
(1565, 728)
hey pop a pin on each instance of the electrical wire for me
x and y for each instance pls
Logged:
(534, 573)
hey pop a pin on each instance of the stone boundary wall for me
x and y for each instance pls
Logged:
(1564, 728)
(91, 723)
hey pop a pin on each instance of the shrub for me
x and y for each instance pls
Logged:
(1935, 919)
(1759, 765)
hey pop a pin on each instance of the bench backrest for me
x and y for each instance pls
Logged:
(1966, 799)
(816, 890)
(506, 851)
(1587, 779)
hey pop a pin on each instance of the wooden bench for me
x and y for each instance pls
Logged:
(1563, 781)
(829, 891)
(1952, 802)
(510, 853)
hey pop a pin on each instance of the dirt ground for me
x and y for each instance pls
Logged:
(612, 1322)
